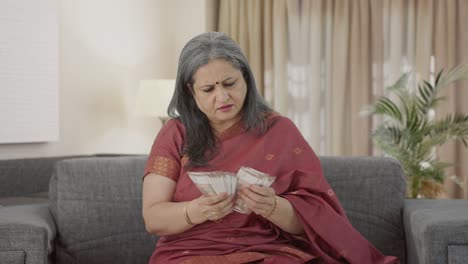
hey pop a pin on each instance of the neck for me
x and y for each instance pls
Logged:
(220, 128)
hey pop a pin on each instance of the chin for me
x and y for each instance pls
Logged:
(228, 116)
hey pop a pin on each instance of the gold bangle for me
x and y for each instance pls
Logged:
(187, 218)
(272, 210)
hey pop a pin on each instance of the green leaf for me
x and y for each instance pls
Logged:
(437, 79)
(386, 107)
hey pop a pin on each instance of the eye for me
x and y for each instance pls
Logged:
(229, 84)
(208, 90)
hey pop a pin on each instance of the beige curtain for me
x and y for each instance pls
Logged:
(449, 41)
(302, 55)
(320, 61)
(351, 75)
(262, 38)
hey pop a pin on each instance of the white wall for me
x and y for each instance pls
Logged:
(29, 71)
(106, 47)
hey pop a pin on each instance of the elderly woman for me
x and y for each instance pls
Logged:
(220, 123)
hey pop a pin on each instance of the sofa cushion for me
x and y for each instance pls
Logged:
(96, 203)
(372, 192)
(12, 257)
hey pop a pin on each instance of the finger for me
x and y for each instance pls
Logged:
(218, 215)
(224, 211)
(211, 215)
(260, 208)
(258, 198)
(228, 211)
(252, 204)
(265, 191)
(210, 200)
(226, 203)
(218, 209)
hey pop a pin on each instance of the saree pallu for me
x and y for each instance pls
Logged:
(249, 238)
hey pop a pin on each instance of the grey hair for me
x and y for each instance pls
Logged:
(200, 143)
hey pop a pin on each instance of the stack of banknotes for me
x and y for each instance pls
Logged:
(215, 182)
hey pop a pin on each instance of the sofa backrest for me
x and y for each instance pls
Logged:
(372, 191)
(96, 203)
(26, 176)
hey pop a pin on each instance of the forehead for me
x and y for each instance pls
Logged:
(215, 71)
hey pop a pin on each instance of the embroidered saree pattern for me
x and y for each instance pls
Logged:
(165, 167)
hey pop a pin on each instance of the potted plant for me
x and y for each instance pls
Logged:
(410, 133)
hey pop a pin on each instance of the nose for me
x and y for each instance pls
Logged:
(222, 95)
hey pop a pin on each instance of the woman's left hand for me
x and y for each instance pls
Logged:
(261, 200)
(278, 210)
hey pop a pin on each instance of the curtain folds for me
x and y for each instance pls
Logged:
(319, 62)
(450, 42)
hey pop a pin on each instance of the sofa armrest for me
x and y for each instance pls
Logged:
(26, 233)
(436, 231)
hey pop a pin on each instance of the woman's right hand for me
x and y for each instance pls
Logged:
(211, 208)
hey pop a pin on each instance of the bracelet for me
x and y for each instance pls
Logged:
(272, 210)
(187, 218)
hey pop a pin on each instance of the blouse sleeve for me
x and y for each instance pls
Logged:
(165, 156)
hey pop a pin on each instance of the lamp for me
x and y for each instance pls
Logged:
(153, 98)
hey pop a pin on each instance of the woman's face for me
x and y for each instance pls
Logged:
(219, 91)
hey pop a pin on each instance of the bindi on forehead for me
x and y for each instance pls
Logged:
(216, 82)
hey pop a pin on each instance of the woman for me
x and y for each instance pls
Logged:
(220, 123)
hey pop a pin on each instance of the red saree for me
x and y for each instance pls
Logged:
(240, 238)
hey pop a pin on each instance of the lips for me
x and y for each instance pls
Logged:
(225, 108)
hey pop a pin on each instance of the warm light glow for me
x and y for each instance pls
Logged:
(154, 97)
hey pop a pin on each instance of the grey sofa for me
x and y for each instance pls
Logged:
(94, 214)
